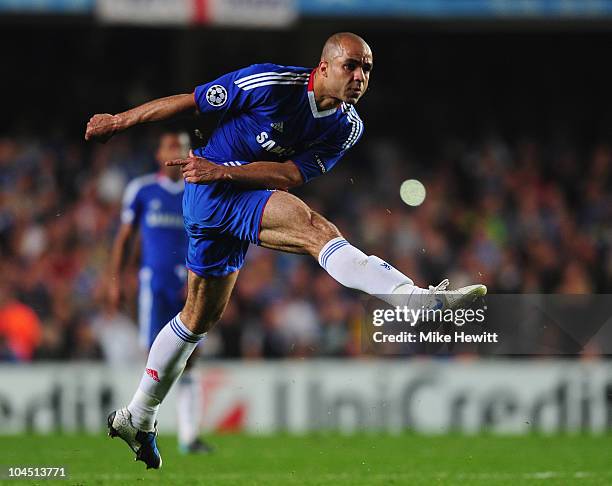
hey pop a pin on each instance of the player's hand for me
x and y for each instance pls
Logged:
(198, 170)
(102, 127)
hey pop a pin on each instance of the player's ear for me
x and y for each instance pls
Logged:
(323, 66)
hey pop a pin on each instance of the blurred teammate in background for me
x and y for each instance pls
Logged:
(152, 206)
(280, 127)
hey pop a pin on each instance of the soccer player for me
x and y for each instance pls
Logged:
(152, 205)
(280, 127)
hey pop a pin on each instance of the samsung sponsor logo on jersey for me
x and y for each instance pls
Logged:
(271, 146)
(157, 219)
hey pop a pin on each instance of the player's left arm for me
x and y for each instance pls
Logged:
(256, 175)
(263, 174)
(315, 161)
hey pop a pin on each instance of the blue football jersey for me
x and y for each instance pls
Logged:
(153, 203)
(268, 112)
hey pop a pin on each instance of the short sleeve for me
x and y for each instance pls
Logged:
(132, 204)
(226, 94)
(317, 161)
(322, 157)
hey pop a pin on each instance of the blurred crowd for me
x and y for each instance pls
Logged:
(521, 216)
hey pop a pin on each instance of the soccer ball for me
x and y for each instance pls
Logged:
(216, 95)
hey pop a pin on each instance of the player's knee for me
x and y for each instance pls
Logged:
(321, 231)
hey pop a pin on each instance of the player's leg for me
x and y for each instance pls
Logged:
(160, 299)
(207, 298)
(288, 224)
(168, 302)
(135, 424)
(152, 316)
(214, 257)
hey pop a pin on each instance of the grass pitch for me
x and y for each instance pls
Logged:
(324, 459)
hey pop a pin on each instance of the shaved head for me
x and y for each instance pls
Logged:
(339, 42)
(344, 70)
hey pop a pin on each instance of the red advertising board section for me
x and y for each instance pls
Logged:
(247, 13)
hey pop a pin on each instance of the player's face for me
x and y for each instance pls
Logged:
(349, 73)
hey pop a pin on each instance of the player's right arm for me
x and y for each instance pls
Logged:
(220, 95)
(102, 127)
